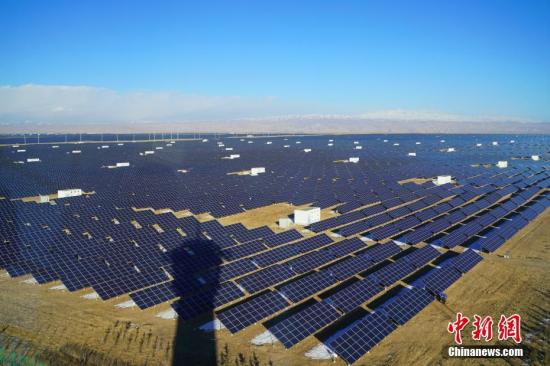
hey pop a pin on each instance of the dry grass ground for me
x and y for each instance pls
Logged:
(65, 329)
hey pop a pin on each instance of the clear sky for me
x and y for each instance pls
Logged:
(276, 57)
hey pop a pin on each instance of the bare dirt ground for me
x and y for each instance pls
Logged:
(65, 329)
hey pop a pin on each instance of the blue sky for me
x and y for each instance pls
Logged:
(340, 57)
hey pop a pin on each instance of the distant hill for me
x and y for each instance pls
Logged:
(309, 125)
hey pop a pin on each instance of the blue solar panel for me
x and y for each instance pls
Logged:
(309, 261)
(308, 285)
(465, 261)
(348, 246)
(192, 306)
(265, 278)
(349, 267)
(392, 272)
(437, 281)
(420, 257)
(282, 238)
(362, 336)
(278, 254)
(249, 312)
(380, 252)
(407, 305)
(304, 323)
(349, 298)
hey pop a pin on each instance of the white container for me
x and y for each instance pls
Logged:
(64, 193)
(307, 216)
(284, 222)
(43, 199)
(256, 171)
(443, 179)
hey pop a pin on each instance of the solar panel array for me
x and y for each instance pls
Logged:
(380, 233)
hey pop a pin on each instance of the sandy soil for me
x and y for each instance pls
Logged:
(64, 327)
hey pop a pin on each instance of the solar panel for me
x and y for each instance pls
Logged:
(351, 297)
(306, 286)
(421, 256)
(278, 254)
(227, 271)
(362, 336)
(347, 246)
(392, 272)
(282, 238)
(408, 304)
(309, 261)
(492, 243)
(304, 323)
(243, 250)
(380, 252)
(265, 278)
(251, 311)
(465, 261)
(437, 281)
(313, 243)
(349, 267)
(192, 306)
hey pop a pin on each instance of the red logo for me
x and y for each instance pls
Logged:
(508, 328)
(457, 326)
(483, 328)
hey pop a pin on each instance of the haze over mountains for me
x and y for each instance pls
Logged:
(293, 125)
(35, 108)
